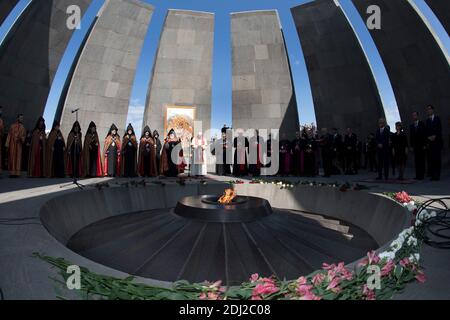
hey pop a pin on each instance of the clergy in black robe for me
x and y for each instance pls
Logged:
(74, 151)
(37, 157)
(285, 156)
(255, 155)
(158, 151)
(338, 159)
(26, 151)
(55, 154)
(310, 147)
(434, 142)
(92, 156)
(223, 164)
(417, 138)
(112, 153)
(350, 145)
(297, 155)
(171, 156)
(325, 143)
(147, 155)
(241, 146)
(129, 153)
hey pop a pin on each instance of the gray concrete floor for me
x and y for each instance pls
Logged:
(21, 233)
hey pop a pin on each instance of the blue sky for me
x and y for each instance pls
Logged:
(221, 100)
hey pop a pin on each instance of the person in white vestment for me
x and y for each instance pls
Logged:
(198, 164)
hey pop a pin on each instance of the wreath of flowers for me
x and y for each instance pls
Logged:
(377, 277)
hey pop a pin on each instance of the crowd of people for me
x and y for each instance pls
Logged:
(52, 155)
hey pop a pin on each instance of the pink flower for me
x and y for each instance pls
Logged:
(254, 277)
(333, 285)
(340, 267)
(369, 294)
(310, 296)
(373, 257)
(213, 296)
(264, 289)
(256, 298)
(421, 277)
(387, 269)
(302, 281)
(331, 274)
(326, 266)
(346, 275)
(318, 279)
(202, 296)
(404, 262)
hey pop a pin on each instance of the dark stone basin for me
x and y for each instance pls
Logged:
(206, 208)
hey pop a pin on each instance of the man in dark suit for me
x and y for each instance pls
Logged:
(417, 136)
(382, 138)
(433, 128)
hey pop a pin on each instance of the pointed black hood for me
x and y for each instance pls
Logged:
(113, 127)
(146, 129)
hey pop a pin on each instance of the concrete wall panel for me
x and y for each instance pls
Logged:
(263, 94)
(102, 81)
(182, 73)
(343, 87)
(30, 57)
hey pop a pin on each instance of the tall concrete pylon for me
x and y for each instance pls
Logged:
(30, 56)
(101, 83)
(263, 92)
(182, 72)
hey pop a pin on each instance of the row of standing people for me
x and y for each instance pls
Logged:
(54, 156)
(382, 150)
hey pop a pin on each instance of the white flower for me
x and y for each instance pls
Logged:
(418, 223)
(412, 241)
(396, 245)
(410, 206)
(388, 255)
(414, 257)
(422, 214)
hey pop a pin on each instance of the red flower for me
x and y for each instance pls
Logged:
(402, 197)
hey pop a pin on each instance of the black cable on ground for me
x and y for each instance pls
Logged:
(437, 229)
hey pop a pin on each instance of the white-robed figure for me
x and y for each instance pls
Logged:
(198, 164)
